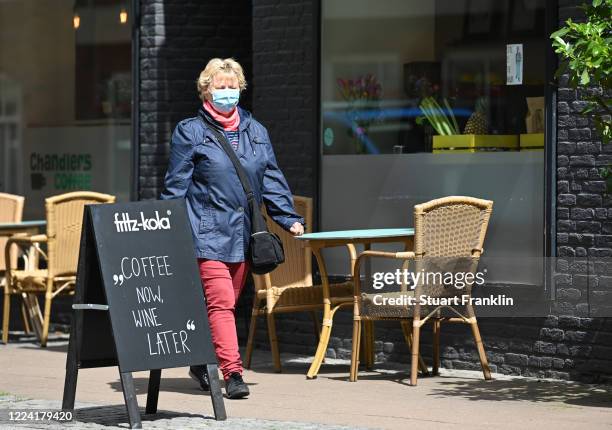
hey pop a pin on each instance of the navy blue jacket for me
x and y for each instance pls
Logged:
(201, 172)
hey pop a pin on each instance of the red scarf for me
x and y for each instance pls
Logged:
(229, 121)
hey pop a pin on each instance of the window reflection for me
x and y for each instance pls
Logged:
(65, 98)
(425, 99)
(382, 60)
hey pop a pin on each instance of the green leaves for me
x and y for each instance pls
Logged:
(584, 78)
(587, 44)
(605, 174)
(562, 44)
(586, 54)
(437, 117)
(560, 33)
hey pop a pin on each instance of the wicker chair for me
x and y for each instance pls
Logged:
(64, 218)
(449, 233)
(289, 288)
(11, 210)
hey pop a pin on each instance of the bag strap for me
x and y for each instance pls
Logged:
(258, 224)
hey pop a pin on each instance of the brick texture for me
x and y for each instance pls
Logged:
(177, 38)
(580, 345)
(284, 86)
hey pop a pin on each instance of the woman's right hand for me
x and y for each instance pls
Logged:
(297, 229)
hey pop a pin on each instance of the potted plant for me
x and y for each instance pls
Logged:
(475, 137)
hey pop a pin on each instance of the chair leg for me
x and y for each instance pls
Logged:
(414, 368)
(362, 345)
(366, 345)
(317, 328)
(46, 319)
(251, 339)
(484, 362)
(355, 350)
(316, 325)
(408, 338)
(322, 346)
(370, 339)
(34, 314)
(273, 342)
(5, 316)
(436, 347)
(26, 320)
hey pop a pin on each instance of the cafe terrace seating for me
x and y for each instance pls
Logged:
(64, 215)
(449, 235)
(289, 287)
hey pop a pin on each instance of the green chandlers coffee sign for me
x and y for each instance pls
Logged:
(62, 171)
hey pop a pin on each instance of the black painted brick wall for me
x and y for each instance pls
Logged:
(177, 39)
(584, 230)
(284, 86)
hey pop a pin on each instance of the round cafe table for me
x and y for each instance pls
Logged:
(348, 238)
(29, 227)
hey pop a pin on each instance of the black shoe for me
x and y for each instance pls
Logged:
(198, 374)
(235, 387)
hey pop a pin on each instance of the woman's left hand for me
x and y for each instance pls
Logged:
(297, 229)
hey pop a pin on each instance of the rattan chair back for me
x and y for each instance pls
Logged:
(11, 210)
(449, 238)
(64, 219)
(452, 226)
(297, 268)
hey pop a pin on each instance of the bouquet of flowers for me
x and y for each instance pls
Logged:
(362, 96)
(364, 88)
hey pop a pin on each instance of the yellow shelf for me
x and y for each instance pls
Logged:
(532, 141)
(475, 143)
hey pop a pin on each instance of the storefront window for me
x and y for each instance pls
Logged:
(424, 99)
(65, 98)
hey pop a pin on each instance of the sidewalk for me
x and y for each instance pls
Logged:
(92, 416)
(380, 399)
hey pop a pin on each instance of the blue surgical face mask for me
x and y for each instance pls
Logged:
(226, 99)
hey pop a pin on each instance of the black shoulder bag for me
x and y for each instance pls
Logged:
(265, 248)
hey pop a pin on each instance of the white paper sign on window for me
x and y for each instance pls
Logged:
(514, 64)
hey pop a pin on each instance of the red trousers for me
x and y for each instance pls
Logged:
(223, 283)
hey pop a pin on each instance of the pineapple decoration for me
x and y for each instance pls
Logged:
(477, 123)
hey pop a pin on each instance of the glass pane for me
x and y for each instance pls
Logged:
(69, 108)
(435, 98)
(383, 63)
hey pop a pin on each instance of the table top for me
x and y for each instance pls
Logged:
(22, 224)
(370, 233)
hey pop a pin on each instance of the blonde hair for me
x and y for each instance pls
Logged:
(214, 66)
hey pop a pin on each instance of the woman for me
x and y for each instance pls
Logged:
(202, 173)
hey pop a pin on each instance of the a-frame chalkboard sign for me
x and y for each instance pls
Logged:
(138, 301)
